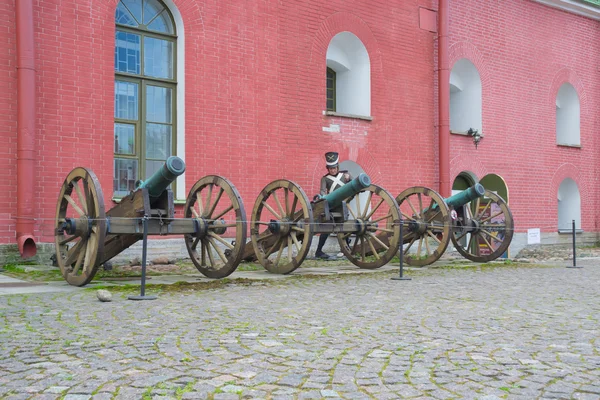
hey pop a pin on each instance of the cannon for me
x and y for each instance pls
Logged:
(284, 222)
(86, 236)
(477, 221)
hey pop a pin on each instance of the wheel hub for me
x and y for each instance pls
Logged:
(79, 227)
(218, 228)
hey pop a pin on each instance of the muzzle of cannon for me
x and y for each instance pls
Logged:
(466, 196)
(86, 236)
(284, 221)
(161, 179)
(351, 189)
(474, 219)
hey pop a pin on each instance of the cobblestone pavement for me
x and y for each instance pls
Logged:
(448, 333)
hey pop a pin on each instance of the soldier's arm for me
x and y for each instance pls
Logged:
(323, 191)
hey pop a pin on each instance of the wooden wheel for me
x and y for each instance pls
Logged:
(377, 217)
(80, 227)
(484, 228)
(281, 227)
(426, 225)
(217, 248)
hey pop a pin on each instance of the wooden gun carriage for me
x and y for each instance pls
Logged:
(284, 222)
(477, 221)
(86, 236)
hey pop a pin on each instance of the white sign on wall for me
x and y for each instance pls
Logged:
(533, 236)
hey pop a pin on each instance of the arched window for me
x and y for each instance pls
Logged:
(465, 97)
(330, 89)
(349, 61)
(567, 116)
(145, 91)
(569, 206)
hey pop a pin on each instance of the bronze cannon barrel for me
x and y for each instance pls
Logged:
(161, 179)
(350, 189)
(464, 197)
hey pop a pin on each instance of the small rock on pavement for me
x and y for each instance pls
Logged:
(161, 261)
(104, 295)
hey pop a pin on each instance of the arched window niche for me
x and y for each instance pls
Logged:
(465, 98)
(348, 77)
(568, 112)
(569, 206)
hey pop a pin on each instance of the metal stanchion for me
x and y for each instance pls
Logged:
(142, 295)
(401, 255)
(574, 250)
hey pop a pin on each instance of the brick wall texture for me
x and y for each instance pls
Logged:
(255, 95)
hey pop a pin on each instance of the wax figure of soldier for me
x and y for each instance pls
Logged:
(333, 180)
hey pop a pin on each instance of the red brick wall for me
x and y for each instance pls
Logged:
(524, 52)
(255, 94)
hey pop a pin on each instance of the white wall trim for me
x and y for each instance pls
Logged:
(574, 7)
(181, 189)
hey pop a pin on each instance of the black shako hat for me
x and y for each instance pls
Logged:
(332, 159)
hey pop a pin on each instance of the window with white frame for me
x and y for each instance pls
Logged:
(145, 91)
(567, 116)
(348, 76)
(465, 97)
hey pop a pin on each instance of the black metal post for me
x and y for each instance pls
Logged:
(401, 255)
(574, 250)
(142, 295)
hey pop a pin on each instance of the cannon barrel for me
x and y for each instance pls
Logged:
(351, 188)
(464, 197)
(161, 179)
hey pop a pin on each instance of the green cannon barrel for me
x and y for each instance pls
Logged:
(351, 188)
(462, 198)
(161, 179)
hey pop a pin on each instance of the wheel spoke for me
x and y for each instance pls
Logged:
(374, 209)
(202, 252)
(375, 253)
(199, 203)
(491, 217)
(419, 247)
(294, 204)
(359, 210)
(433, 237)
(433, 216)
(289, 246)
(214, 204)
(296, 242)
(351, 212)
(276, 198)
(221, 240)
(225, 211)
(208, 196)
(407, 217)
(286, 195)
(490, 235)
(271, 210)
(73, 252)
(209, 252)
(74, 205)
(375, 238)
(82, 200)
(67, 240)
(195, 243)
(80, 258)
(382, 218)
(415, 213)
(280, 252)
(218, 250)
